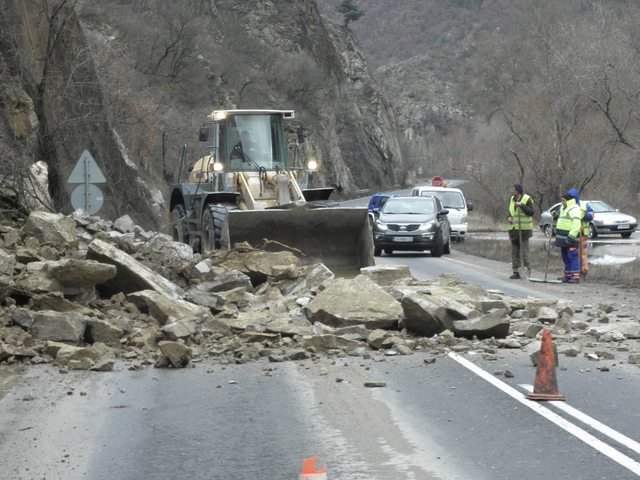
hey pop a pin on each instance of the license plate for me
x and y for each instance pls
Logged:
(402, 239)
(623, 227)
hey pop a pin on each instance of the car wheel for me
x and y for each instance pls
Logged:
(626, 234)
(593, 233)
(388, 251)
(447, 246)
(438, 250)
(547, 230)
(377, 252)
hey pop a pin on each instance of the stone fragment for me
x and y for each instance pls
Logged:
(634, 359)
(124, 224)
(375, 384)
(225, 282)
(547, 315)
(166, 309)
(177, 354)
(102, 331)
(385, 275)
(493, 324)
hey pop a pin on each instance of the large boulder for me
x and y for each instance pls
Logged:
(58, 327)
(355, 301)
(164, 309)
(50, 227)
(131, 276)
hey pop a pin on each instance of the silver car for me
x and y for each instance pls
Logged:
(607, 220)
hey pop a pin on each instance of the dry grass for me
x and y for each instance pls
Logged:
(627, 274)
(484, 223)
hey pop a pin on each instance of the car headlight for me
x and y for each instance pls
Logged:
(426, 226)
(632, 220)
(380, 225)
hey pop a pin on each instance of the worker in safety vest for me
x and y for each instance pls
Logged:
(520, 221)
(587, 216)
(568, 237)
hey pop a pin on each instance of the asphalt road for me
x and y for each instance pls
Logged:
(459, 418)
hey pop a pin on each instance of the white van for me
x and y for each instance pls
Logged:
(453, 200)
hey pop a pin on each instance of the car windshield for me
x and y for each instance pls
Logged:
(601, 207)
(448, 199)
(422, 207)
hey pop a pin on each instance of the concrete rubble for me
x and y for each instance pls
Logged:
(83, 293)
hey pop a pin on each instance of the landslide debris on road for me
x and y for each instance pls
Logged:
(82, 293)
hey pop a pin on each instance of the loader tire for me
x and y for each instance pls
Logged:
(212, 220)
(208, 239)
(178, 224)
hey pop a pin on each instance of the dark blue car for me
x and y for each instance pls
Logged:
(378, 201)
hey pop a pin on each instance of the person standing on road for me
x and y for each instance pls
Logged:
(568, 238)
(520, 221)
(586, 216)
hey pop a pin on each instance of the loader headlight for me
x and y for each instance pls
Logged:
(219, 115)
(217, 167)
(312, 165)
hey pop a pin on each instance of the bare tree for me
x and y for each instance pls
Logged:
(565, 93)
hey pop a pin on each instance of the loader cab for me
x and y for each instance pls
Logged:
(250, 141)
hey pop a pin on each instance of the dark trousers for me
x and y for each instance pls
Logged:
(514, 237)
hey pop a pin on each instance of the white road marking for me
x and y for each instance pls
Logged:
(578, 432)
(592, 422)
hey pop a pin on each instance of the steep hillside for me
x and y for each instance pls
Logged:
(132, 81)
(541, 93)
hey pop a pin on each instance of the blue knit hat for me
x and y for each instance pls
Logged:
(518, 187)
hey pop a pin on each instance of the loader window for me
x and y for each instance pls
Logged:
(255, 141)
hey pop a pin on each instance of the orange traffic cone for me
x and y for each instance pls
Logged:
(309, 470)
(546, 386)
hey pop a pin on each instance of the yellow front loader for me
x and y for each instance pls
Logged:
(247, 189)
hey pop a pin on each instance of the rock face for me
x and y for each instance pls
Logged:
(290, 56)
(89, 305)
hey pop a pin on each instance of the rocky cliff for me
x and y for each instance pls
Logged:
(131, 82)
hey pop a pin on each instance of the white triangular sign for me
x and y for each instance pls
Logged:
(86, 170)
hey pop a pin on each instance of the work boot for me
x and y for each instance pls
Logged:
(563, 278)
(573, 280)
(515, 276)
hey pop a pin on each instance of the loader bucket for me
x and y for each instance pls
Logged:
(336, 237)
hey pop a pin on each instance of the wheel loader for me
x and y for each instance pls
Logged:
(251, 185)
